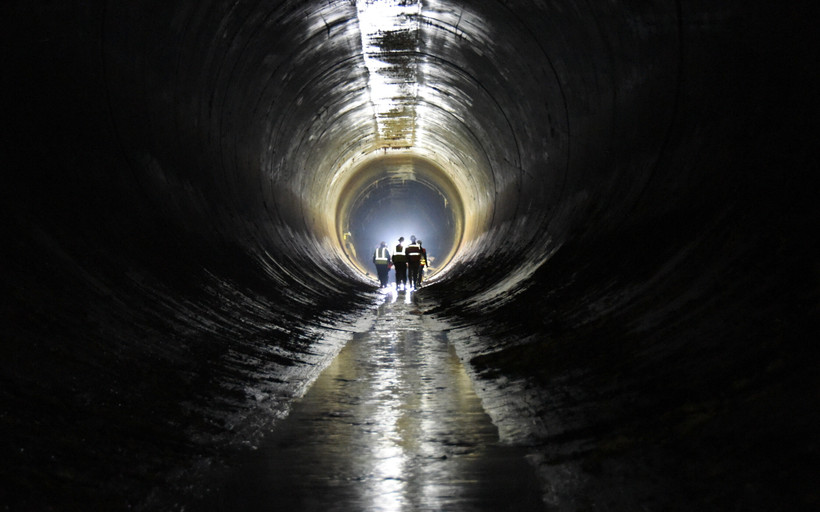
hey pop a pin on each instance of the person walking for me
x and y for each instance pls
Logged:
(381, 257)
(400, 262)
(413, 254)
(422, 264)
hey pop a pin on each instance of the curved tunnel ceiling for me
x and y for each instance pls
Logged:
(288, 104)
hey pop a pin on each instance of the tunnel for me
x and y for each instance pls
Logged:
(615, 196)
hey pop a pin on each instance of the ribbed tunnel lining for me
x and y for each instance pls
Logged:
(637, 207)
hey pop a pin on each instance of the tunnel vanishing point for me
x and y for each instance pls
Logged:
(619, 196)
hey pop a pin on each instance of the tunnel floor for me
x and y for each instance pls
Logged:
(392, 424)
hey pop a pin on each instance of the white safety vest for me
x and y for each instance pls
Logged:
(413, 253)
(382, 255)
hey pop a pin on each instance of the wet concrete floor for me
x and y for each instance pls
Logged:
(392, 424)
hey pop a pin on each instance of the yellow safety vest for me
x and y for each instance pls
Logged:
(381, 255)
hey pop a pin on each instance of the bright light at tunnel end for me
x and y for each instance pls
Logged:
(399, 196)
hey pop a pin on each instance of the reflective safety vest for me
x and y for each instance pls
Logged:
(413, 252)
(398, 256)
(381, 256)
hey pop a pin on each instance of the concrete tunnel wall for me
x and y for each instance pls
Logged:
(634, 269)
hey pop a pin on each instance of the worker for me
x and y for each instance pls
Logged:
(413, 255)
(381, 257)
(422, 264)
(400, 262)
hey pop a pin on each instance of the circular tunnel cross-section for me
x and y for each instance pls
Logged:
(399, 195)
(618, 196)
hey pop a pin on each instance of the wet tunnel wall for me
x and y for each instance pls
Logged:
(630, 263)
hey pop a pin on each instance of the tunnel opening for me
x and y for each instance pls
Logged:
(399, 195)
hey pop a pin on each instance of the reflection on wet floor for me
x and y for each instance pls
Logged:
(392, 424)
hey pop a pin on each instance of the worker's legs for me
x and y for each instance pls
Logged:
(401, 274)
(414, 274)
(382, 270)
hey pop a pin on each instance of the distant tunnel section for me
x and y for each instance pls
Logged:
(399, 195)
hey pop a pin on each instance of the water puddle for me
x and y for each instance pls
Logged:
(391, 425)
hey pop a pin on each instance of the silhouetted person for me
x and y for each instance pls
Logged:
(422, 265)
(381, 257)
(400, 262)
(413, 254)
